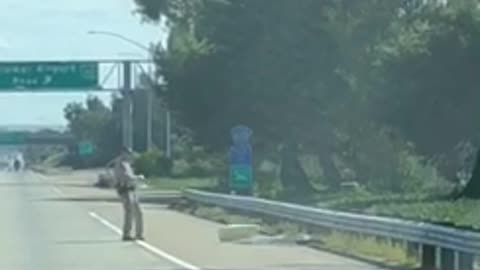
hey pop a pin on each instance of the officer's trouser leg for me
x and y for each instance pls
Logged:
(138, 215)
(127, 213)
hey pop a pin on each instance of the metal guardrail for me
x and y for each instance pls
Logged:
(455, 240)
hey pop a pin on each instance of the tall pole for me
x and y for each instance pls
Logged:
(127, 132)
(150, 97)
(122, 37)
(168, 134)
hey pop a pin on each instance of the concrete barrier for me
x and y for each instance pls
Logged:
(235, 232)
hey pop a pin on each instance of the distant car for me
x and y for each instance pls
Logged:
(17, 165)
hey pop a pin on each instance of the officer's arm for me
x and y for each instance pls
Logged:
(131, 173)
(112, 162)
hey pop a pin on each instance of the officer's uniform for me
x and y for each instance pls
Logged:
(126, 187)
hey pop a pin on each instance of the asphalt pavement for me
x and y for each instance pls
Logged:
(38, 233)
(62, 222)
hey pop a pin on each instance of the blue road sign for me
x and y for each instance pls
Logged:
(241, 155)
(241, 134)
(241, 172)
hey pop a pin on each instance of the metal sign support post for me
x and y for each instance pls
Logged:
(150, 96)
(127, 131)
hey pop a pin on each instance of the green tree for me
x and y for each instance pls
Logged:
(349, 81)
(96, 123)
(238, 65)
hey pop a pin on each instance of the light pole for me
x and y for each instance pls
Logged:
(149, 95)
(115, 35)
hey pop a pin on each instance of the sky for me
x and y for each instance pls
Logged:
(38, 30)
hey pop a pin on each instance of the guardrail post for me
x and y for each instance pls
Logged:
(447, 259)
(413, 250)
(466, 261)
(396, 242)
(429, 257)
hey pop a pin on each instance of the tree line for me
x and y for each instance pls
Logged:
(385, 91)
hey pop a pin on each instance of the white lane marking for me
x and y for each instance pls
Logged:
(45, 178)
(39, 175)
(34, 176)
(58, 191)
(105, 222)
(146, 245)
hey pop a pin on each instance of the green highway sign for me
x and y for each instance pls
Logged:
(25, 137)
(26, 76)
(241, 176)
(85, 148)
(12, 138)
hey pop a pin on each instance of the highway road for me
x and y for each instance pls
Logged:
(39, 233)
(61, 222)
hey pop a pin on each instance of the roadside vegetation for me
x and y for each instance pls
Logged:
(180, 184)
(361, 247)
(364, 106)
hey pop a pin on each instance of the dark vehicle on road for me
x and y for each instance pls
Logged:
(17, 165)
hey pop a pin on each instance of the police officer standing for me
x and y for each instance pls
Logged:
(126, 185)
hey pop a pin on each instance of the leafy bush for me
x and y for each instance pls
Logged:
(267, 182)
(180, 168)
(362, 200)
(460, 213)
(420, 175)
(153, 163)
(382, 161)
(209, 166)
(196, 161)
(361, 245)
